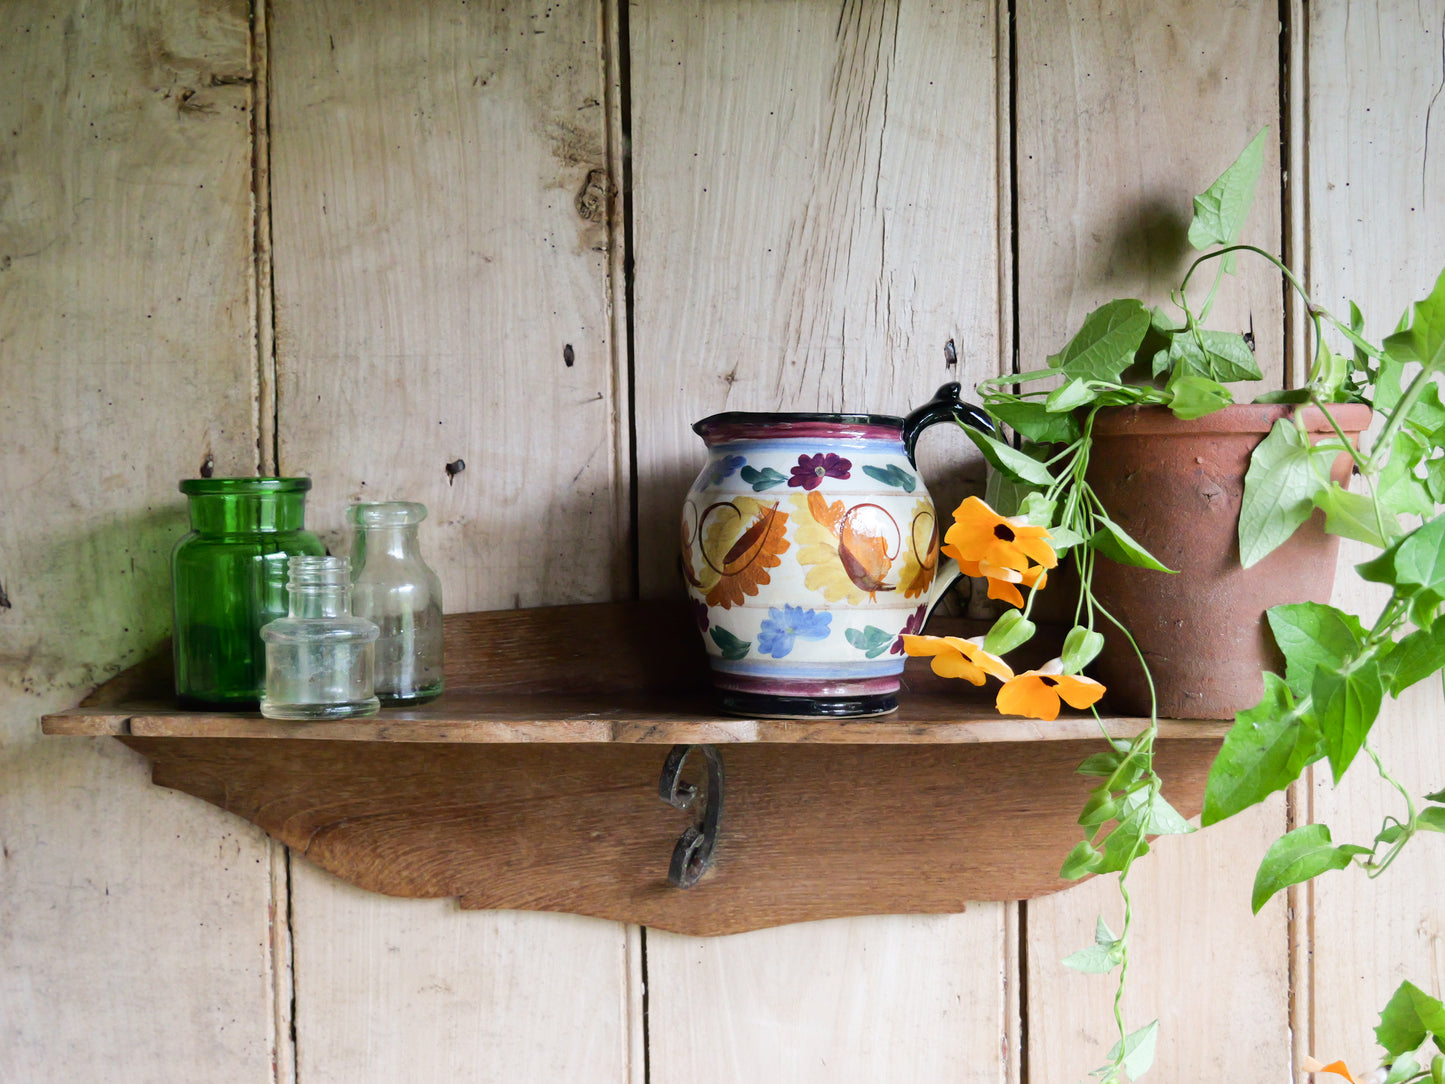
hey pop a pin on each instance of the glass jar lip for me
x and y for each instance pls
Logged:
(215, 487)
(385, 513)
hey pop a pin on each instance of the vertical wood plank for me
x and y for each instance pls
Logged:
(887, 998)
(1376, 203)
(133, 922)
(1124, 111)
(441, 219)
(815, 214)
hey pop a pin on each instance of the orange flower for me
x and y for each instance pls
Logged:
(981, 534)
(1336, 1067)
(1035, 694)
(955, 657)
(1001, 580)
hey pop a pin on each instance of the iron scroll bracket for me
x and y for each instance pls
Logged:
(692, 856)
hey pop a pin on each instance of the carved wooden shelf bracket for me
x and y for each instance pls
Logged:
(533, 783)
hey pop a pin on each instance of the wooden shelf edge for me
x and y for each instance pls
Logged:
(533, 783)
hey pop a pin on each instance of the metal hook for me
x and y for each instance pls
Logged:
(692, 856)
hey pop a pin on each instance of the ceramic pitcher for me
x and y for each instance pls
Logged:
(810, 545)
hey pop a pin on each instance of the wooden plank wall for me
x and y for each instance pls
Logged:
(366, 240)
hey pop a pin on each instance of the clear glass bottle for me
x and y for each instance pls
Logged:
(229, 579)
(319, 658)
(394, 587)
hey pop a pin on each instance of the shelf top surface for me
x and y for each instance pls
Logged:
(923, 718)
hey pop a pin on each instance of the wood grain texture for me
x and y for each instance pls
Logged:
(815, 211)
(878, 999)
(815, 216)
(809, 831)
(134, 941)
(440, 215)
(441, 223)
(1376, 202)
(1125, 110)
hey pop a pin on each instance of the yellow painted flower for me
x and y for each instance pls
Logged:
(981, 534)
(1035, 694)
(1002, 581)
(955, 657)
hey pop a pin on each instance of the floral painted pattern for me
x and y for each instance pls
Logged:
(739, 541)
(786, 624)
(912, 627)
(812, 469)
(722, 468)
(849, 552)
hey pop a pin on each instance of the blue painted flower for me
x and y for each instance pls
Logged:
(723, 467)
(786, 623)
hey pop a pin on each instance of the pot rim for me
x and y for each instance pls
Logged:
(1126, 421)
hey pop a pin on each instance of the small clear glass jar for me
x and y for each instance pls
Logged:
(319, 658)
(394, 587)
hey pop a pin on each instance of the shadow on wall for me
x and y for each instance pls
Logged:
(84, 605)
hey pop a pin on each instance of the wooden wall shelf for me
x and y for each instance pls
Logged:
(532, 783)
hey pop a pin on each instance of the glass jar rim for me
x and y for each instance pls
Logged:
(385, 513)
(215, 487)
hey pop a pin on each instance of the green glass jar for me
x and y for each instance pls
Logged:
(229, 577)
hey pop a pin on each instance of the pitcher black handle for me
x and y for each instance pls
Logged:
(945, 405)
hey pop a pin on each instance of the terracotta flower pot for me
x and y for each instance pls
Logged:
(1176, 487)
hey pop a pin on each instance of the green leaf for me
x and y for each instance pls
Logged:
(1422, 338)
(1297, 856)
(1137, 1049)
(1034, 421)
(1407, 1018)
(1165, 820)
(1116, 544)
(1102, 956)
(1220, 211)
(1399, 490)
(1014, 463)
(1128, 840)
(1004, 495)
(1330, 373)
(1311, 634)
(1105, 343)
(1094, 960)
(1438, 796)
(1352, 515)
(1431, 818)
(1264, 751)
(1416, 562)
(1346, 706)
(1227, 356)
(1402, 1069)
(1081, 861)
(1293, 396)
(870, 639)
(762, 479)
(731, 647)
(893, 476)
(1415, 658)
(1193, 396)
(1279, 490)
(1068, 397)
(1081, 647)
(1011, 630)
(1103, 764)
(1099, 808)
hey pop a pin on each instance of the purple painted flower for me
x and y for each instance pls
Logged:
(722, 468)
(812, 469)
(784, 624)
(912, 627)
(699, 614)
